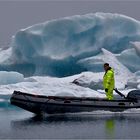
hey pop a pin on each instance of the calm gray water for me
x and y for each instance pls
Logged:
(20, 124)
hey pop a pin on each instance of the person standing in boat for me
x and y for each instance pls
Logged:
(108, 81)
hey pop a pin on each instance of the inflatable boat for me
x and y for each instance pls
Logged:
(39, 104)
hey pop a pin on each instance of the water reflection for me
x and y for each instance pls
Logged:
(109, 127)
(62, 118)
(78, 126)
(109, 119)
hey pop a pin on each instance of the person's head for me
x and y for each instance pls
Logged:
(106, 66)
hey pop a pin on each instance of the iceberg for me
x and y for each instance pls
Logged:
(56, 47)
(122, 73)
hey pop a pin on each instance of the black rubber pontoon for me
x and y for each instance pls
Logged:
(56, 104)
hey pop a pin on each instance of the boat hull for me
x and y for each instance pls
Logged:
(39, 104)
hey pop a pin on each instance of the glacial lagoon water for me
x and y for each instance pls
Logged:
(16, 123)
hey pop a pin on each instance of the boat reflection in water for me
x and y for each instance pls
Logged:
(81, 125)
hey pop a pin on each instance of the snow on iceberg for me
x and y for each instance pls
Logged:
(55, 47)
(51, 86)
(90, 80)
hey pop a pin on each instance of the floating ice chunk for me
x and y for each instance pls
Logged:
(130, 59)
(51, 87)
(137, 47)
(122, 74)
(137, 74)
(138, 86)
(132, 82)
(10, 77)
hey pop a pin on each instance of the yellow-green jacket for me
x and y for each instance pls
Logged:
(108, 80)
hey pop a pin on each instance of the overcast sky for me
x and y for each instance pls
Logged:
(17, 14)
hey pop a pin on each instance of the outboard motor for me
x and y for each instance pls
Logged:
(134, 94)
